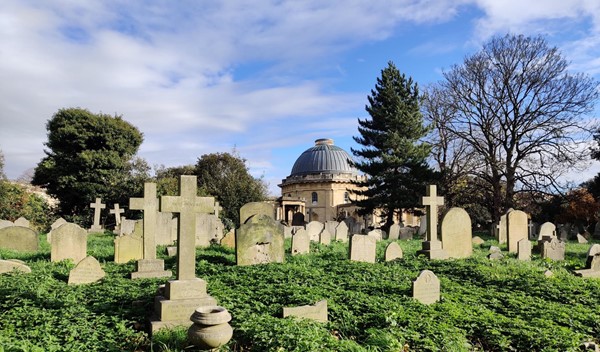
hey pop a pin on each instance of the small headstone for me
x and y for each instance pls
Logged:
(314, 229)
(547, 229)
(555, 249)
(5, 223)
(288, 231)
(300, 242)
(330, 226)
(524, 249)
(394, 232)
(166, 229)
(581, 239)
(477, 240)
(128, 247)
(56, 224)
(341, 232)
(87, 271)
(494, 249)
(393, 251)
(426, 288)
(317, 312)
(363, 248)
(126, 226)
(209, 228)
(325, 237)
(456, 233)
(229, 239)
(69, 241)
(256, 208)
(7, 266)
(548, 273)
(22, 222)
(171, 251)
(503, 229)
(592, 264)
(495, 256)
(19, 238)
(517, 229)
(116, 211)
(376, 234)
(259, 240)
(97, 206)
(407, 233)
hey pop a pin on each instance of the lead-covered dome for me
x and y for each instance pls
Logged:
(324, 157)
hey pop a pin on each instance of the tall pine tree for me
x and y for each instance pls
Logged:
(392, 157)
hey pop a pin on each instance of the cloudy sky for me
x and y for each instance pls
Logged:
(264, 77)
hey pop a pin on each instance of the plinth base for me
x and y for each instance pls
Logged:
(587, 273)
(150, 268)
(433, 250)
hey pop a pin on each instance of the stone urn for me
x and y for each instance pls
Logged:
(211, 327)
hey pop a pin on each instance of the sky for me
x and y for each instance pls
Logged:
(266, 78)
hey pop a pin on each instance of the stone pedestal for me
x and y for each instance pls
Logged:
(148, 268)
(177, 301)
(433, 250)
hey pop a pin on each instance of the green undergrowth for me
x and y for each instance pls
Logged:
(485, 305)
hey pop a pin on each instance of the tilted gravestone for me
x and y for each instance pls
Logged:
(314, 229)
(325, 237)
(546, 229)
(517, 229)
(97, 206)
(341, 232)
(22, 222)
(581, 239)
(393, 251)
(524, 249)
(555, 249)
(69, 241)
(19, 238)
(317, 312)
(87, 271)
(7, 266)
(259, 240)
(300, 242)
(592, 264)
(456, 233)
(426, 288)
(394, 232)
(256, 208)
(363, 248)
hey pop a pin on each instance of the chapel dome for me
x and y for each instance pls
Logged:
(324, 157)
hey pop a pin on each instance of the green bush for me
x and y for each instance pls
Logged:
(16, 202)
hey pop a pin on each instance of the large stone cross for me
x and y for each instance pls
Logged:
(98, 206)
(148, 204)
(187, 204)
(117, 211)
(431, 202)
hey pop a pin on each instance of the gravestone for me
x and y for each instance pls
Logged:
(19, 238)
(56, 224)
(477, 240)
(330, 226)
(288, 231)
(376, 234)
(316, 312)
(592, 264)
(363, 248)
(87, 271)
(256, 208)
(179, 298)
(148, 266)
(166, 229)
(300, 242)
(209, 228)
(171, 251)
(432, 246)
(325, 237)
(229, 239)
(407, 233)
(456, 233)
(496, 255)
(129, 247)
(298, 219)
(341, 232)
(393, 251)
(423, 225)
(69, 241)
(394, 232)
(547, 229)
(6, 223)
(126, 226)
(116, 211)
(22, 222)
(97, 206)
(426, 288)
(581, 239)
(524, 249)
(259, 240)
(7, 266)
(554, 250)
(517, 229)
(314, 229)
(503, 229)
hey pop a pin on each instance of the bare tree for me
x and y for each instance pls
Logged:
(521, 113)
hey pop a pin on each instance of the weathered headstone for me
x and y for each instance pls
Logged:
(477, 240)
(259, 240)
(97, 206)
(19, 238)
(22, 222)
(341, 232)
(517, 229)
(314, 229)
(494, 249)
(116, 211)
(546, 229)
(56, 224)
(363, 248)
(581, 239)
(317, 312)
(432, 246)
(5, 223)
(423, 225)
(407, 233)
(7, 266)
(524, 249)
(288, 231)
(300, 242)
(229, 239)
(330, 226)
(148, 266)
(166, 229)
(125, 227)
(548, 273)
(171, 251)
(298, 219)
(503, 229)
(179, 299)
(209, 228)
(376, 234)
(592, 264)
(325, 237)
(555, 249)
(87, 271)
(394, 232)
(456, 233)
(129, 247)
(69, 241)
(256, 208)
(426, 288)
(393, 251)
(495, 255)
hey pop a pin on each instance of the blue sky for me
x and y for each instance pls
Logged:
(265, 77)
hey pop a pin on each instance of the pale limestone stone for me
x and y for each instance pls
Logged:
(393, 251)
(394, 232)
(259, 240)
(229, 239)
(126, 226)
(524, 249)
(517, 229)
(19, 238)
(376, 234)
(494, 249)
(330, 226)
(150, 268)
(56, 224)
(592, 265)
(97, 206)
(128, 247)
(171, 251)
(341, 232)
(256, 208)
(426, 288)
(22, 222)
(581, 239)
(6, 223)
(314, 229)
(432, 246)
(166, 229)
(503, 229)
(422, 226)
(87, 271)
(456, 233)
(7, 266)
(300, 242)
(117, 211)
(477, 240)
(495, 255)
(69, 241)
(288, 231)
(363, 248)
(546, 229)
(325, 237)
(548, 273)
(317, 312)
(555, 249)
(209, 228)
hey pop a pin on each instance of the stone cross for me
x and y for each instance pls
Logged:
(431, 202)
(148, 204)
(117, 211)
(187, 204)
(98, 206)
(218, 208)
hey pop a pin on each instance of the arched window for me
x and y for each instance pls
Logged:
(315, 198)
